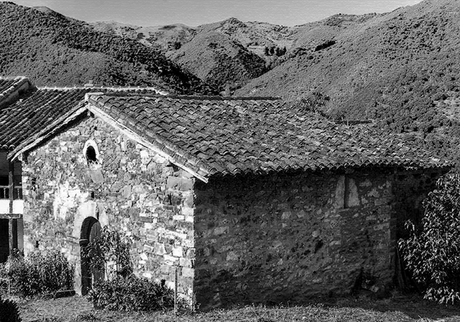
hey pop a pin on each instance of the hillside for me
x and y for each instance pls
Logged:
(401, 69)
(52, 49)
(219, 61)
(215, 57)
(164, 38)
(229, 53)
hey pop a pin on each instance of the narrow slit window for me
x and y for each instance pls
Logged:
(346, 193)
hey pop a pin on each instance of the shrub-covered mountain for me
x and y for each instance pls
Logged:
(52, 49)
(229, 53)
(216, 57)
(407, 55)
(401, 69)
(219, 61)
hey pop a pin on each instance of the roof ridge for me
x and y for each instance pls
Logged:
(49, 88)
(195, 97)
(13, 77)
(96, 88)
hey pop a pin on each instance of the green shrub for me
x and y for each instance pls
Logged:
(432, 254)
(9, 311)
(111, 246)
(38, 273)
(131, 294)
(123, 291)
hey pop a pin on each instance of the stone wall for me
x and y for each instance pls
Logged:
(284, 238)
(274, 238)
(129, 188)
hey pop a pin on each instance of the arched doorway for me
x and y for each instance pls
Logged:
(90, 231)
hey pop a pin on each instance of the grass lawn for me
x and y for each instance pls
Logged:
(395, 309)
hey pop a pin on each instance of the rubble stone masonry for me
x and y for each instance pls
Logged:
(284, 238)
(279, 237)
(129, 188)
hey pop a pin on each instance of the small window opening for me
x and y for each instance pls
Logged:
(91, 155)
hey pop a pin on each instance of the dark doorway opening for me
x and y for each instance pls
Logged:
(4, 240)
(90, 231)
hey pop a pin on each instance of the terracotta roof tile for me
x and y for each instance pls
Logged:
(230, 136)
(37, 109)
(33, 112)
(10, 86)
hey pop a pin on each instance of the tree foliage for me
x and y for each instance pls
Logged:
(432, 253)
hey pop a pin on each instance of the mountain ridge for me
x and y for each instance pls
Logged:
(399, 68)
(56, 50)
(260, 45)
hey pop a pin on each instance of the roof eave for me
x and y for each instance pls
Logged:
(47, 132)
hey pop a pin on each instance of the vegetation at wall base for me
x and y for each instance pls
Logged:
(432, 252)
(122, 291)
(131, 294)
(38, 273)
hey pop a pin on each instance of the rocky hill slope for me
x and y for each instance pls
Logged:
(400, 69)
(52, 49)
(230, 53)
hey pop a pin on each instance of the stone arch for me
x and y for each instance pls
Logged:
(85, 210)
(90, 230)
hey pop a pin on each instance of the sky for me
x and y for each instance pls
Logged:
(197, 12)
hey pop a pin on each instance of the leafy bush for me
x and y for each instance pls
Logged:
(123, 291)
(9, 311)
(38, 273)
(113, 247)
(131, 294)
(432, 255)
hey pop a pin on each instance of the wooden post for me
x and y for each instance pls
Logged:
(175, 290)
(11, 197)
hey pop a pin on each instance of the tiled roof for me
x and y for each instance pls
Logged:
(229, 136)
(10, 86)
(34, 111)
